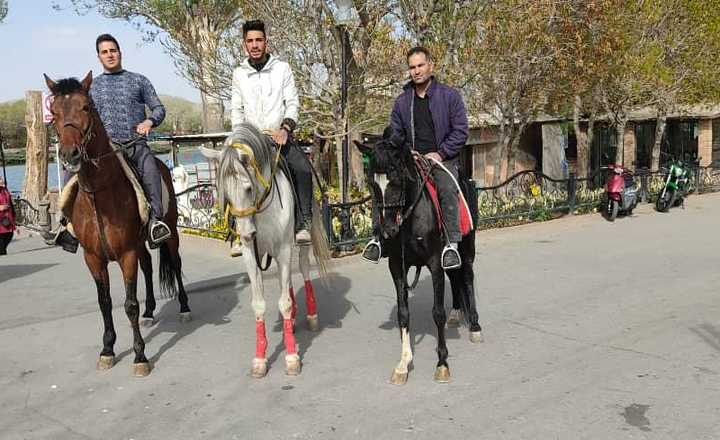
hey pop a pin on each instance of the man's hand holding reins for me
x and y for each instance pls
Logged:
(281, 136)
(434, 155)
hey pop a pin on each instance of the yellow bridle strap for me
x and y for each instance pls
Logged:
(267, 184)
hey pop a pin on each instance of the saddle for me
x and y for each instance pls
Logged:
(466, 224)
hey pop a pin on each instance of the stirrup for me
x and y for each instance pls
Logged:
(449, 251)
(368, 248)
(164, 236)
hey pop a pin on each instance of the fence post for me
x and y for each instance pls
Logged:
(643, 186)
(571, 185)
(44, 215)
(697, 179)
(327, 219)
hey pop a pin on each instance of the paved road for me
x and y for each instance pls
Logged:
(593, 330)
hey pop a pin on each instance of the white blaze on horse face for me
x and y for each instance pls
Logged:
(382, 182)
(242, 196)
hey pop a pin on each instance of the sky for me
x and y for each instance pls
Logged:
(36, 39)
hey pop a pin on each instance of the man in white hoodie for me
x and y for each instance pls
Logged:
(264, 94)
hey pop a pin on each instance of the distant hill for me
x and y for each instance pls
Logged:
(181, 115)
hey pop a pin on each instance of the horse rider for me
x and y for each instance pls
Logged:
(120, 97)
(264, 94)
(431, 117)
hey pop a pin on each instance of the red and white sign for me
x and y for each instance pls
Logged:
(47, 100)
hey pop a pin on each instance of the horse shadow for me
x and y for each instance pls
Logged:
(220, 298)
(11, 271)
(332, 305)
(420, 303)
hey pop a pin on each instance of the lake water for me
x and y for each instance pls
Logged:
(193, 161)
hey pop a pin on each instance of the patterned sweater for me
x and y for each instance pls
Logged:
(120, 98)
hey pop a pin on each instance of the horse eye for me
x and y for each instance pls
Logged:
(248, 190)
(86, 108)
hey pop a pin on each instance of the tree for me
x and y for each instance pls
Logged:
(191, 31)
(3, 10)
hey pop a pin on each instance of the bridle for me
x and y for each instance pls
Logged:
(86, 136)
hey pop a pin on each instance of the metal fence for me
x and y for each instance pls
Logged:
(524, 197)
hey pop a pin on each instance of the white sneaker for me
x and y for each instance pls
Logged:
(236, 250)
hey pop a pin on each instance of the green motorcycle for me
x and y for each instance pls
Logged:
(678, 176)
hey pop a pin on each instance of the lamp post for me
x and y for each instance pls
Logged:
(344, 17)
(2, 157)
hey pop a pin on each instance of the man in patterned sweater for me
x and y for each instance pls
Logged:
(120, 97)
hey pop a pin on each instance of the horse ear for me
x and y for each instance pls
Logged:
(209, 153)
(85, 83)
(50, 83)
(364, 149)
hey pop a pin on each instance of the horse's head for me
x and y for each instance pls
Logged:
(242, 166)
(389, 164)
(73, 115)
(180, 178)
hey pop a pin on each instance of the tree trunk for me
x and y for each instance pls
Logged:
(213, 113)
(620, 136)
(584, 139)
(589, 141)
(36, 156)
(319, 157)
(500, 152)
(659, 131)
(357, 168)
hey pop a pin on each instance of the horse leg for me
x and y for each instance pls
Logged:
(453, 319)
(147, 319)
(176, 262)
(400, 375)
(259, 362)
(285, 305)
(310, 304)
(98, 269)
(129, 268)
(442, 372)
(468, 282)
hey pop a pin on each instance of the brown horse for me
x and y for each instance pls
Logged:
(106, 218)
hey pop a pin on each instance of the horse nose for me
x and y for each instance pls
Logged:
(72, 156)
(249, 237)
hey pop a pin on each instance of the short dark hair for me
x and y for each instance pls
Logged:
(254, 25)
(103, 38)
(418, 49)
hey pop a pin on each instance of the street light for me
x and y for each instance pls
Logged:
(344, 17)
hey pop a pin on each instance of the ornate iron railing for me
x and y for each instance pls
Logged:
(198, 209)
(29, 216)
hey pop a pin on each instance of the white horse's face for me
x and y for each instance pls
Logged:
(180, 178)
(242, 194)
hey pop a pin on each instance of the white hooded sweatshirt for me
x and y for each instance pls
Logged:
(264, 98)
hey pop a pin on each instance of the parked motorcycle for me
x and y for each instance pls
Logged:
(677, 175)
(621, 194)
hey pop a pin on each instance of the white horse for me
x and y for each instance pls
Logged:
(259, 195)
(181, 181)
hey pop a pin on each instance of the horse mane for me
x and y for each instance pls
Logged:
(250, 136)
(66, 86)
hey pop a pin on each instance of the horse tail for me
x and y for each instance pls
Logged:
(321, 250)
(168, 273)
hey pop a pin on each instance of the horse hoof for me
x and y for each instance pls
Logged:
(185, 317)
(313, 324)
(292, 365)
(141, 369)
(146, 322)
(476, 337)
(399, 378)
(259, 368)
(442, 374)
(105, 362)
(452, 320)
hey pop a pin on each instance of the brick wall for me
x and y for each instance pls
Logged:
(705, 141)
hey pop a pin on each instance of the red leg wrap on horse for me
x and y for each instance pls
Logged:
(289, 336)
(310, 299)
(293, 313)
(261, 342)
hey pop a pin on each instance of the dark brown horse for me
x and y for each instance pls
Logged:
(106, 219)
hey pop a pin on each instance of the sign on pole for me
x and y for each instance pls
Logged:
(47, 100)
